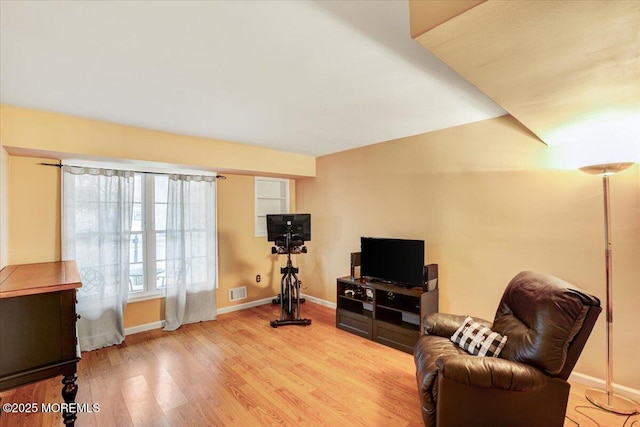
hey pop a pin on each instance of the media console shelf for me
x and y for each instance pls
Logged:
(388, 314)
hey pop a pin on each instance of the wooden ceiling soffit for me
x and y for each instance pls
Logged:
(548, 63)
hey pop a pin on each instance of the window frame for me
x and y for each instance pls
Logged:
(149, 247)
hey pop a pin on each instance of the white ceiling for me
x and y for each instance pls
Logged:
(309, 77)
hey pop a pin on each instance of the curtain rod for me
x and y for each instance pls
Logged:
(59, 165)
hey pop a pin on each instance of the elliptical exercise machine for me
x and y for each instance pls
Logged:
(289, 232)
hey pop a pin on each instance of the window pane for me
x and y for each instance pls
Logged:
(161, 254)
(86, 219)
(161, 188)
(161, 248)
(161, 274)
(136, 269)
(136, 277)
(137, 188)
(161, 217)
(136, 224)
(137, 219)
(136, 248)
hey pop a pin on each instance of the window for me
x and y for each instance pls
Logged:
(271, 197)
(104, 204)
(147, 262)
(137, 236)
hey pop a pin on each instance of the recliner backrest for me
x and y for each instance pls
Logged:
(542, 316)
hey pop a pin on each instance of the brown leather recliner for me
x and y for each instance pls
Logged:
(547, 322)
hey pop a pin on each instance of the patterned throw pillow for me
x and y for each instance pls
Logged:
(477, 339)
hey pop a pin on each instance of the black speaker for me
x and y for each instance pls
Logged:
(430, 277)
(354, 261)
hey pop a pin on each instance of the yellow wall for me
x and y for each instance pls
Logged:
(242, 255)
(37, 133)
(144, 312)
(32, 196)
(481, 198)
(34, 211)
(4, 207)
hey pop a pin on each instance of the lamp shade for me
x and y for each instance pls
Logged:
(606, 169)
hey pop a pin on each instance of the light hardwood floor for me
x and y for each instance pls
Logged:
(238, 371)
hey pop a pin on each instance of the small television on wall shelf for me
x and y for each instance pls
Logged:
(396, 261)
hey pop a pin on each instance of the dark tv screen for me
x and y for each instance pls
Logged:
(398, 261)
(298, 224)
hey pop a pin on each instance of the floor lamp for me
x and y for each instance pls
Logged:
(605, 399)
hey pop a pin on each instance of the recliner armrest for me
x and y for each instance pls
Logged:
(445, 324)
(491, 372)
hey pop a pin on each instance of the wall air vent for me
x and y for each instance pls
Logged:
(236, 294)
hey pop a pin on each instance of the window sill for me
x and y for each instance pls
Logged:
(138, 297)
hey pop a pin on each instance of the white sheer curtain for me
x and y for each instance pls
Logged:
(97, 207)
(191, 251)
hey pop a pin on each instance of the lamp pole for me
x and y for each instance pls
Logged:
(607, 399)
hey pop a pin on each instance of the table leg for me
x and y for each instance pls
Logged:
(69, 392)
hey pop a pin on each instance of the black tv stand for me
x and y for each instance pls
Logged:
(389, 314)
(385, 282)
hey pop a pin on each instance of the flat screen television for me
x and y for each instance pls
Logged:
(396, 261)
(298, 224)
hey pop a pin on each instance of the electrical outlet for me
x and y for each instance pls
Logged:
(258, 278)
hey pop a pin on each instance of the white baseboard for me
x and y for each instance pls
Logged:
(269, 301)
(143, 328)
(594, 382)
(245, 305)
(319, 301)
(159, 324)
